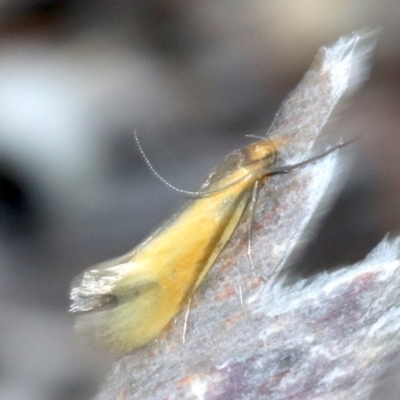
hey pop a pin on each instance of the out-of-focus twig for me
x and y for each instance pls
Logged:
(248, 336)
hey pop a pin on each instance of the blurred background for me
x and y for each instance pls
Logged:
(192, 77)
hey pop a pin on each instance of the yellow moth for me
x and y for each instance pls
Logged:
(126, 302)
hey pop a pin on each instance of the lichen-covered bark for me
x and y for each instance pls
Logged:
(250, 337)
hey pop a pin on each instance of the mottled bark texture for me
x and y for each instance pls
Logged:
(251, 337)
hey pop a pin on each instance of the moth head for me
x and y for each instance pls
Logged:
(263, 150)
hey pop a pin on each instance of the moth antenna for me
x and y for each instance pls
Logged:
(158, 175)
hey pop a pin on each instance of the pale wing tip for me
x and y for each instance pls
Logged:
(84, 297)
(94, 288)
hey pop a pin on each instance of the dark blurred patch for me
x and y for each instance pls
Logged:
(19, 213)
(34, 15)
(47, 7)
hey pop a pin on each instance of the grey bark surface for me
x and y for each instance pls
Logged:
(249, 336)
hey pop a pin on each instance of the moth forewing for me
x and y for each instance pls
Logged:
(126, 303)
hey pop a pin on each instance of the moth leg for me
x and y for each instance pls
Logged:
(250, 221)
(185, 323)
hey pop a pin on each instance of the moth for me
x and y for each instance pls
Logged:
(125, 303)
